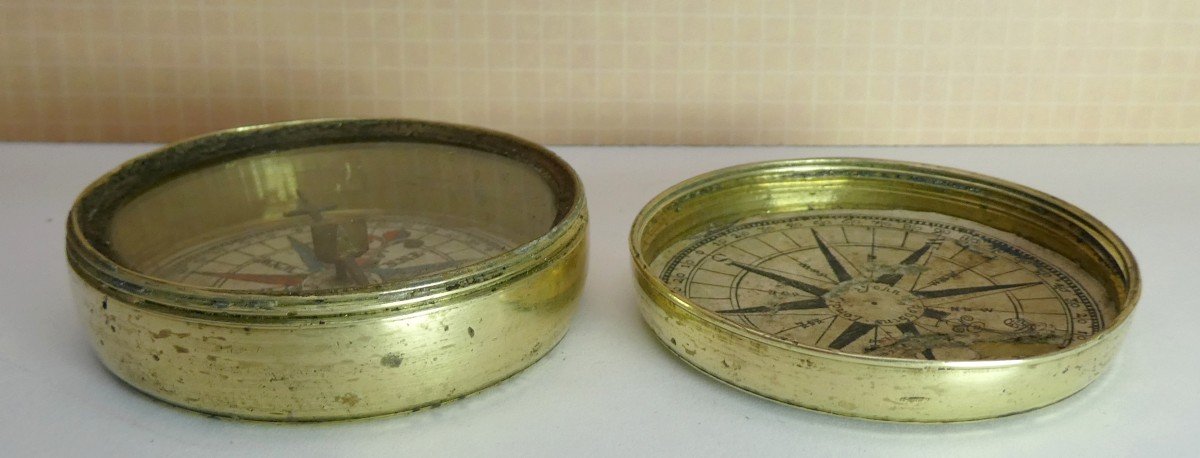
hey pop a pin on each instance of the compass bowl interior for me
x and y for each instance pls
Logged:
(986, 379)
(328, 269)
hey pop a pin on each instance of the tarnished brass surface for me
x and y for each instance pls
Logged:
(884, 290)
(328, 269)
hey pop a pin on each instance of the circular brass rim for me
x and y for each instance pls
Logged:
(91, 214)
(686, 314)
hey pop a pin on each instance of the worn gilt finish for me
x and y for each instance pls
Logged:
(332, 269)
(883, 290)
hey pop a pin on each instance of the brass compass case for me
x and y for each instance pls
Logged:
(885, 290)
(328, 269)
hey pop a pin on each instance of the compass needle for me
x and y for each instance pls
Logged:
(307, 256)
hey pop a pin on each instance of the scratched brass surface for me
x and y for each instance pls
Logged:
(329, 269)
(926, 361)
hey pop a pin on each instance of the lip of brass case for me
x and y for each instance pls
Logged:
(328, 269)
(834, 285)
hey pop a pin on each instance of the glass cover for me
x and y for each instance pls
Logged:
(332, 216)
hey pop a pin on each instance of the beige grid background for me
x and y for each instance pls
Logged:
(612, 72)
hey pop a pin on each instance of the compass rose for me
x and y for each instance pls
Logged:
(867, 283)
(868, 302)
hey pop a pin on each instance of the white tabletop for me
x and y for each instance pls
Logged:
(609, 389)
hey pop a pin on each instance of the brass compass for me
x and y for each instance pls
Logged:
(328, 269)
(884, 290)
